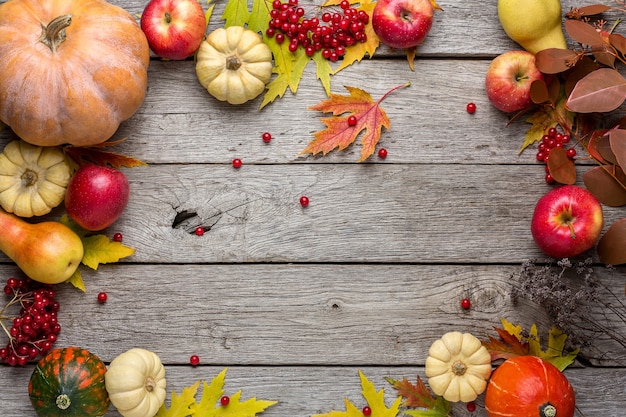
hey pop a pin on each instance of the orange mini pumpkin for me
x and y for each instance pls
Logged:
(528, 386)
(70, 70)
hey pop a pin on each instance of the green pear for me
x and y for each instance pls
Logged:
(534, 24)
(47, 252)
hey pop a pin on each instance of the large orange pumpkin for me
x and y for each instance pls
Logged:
(70, 70)
(528, 386)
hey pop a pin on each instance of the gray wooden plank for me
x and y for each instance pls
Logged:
(366, 213)
(322, 314)
(305, 391)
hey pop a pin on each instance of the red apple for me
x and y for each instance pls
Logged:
(567, 221)
(509, 78)
(402, 24)
(174, 28)
(96, 196)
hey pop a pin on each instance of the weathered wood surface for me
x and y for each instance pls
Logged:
(295, 301)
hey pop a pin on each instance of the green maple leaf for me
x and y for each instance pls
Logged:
(375, 401)
(181, 406)
(236, 13)
(260, 16)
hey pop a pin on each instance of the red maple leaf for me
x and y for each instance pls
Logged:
(370, 119)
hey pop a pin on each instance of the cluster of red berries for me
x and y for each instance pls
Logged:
(35, 330)
(553, 139)
(330, 33)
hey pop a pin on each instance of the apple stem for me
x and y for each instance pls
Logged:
(53, 34)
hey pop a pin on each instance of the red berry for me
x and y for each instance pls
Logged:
(352, 120)
(367, 411)
(550, 180)
(565, 139)
(236, 163)
(199, 231)
(471, 108)
(552, 132)
(571, 153)
(304, 201)
(224, 400)
(117, 237)
(541, 156)
(466, 303)
(102, 297)
(471, 406)
(194, 360)
(382, 153)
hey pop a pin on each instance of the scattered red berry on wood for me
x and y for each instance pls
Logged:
(237, 163)
(117, 237)
(199, 231)
(304, 201)
(102, 297)
(352, 120)
(224, 400)
(471, 108)
(466, 303)
(267, 137)
(194, 360)
(382, 153)
(471, 406)
(367, 411)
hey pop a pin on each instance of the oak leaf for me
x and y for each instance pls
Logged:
(420, 399)
(370, 119)
(375, 401)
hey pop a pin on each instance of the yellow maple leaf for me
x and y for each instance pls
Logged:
(356, 52)
(181, 406)
(375, 401)
(99, 249)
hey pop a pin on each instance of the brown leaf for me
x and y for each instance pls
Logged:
(600, 91)
(612, 245)
(95, 155)
(555, 60)
(583, 33)
(583, 67)
(608, 187)
(619, 42)
(506, 347)
(617, 141)
(599, 147)
(593, 9)
(415, 395)
(561, 167)
(539, 92)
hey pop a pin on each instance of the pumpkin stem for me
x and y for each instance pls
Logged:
(53, 34)
(547, 410)
(29, 178)
(459, 368)
(150, 384)
(233, 63)
(63, 401)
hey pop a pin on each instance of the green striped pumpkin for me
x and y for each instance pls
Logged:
(69, 382)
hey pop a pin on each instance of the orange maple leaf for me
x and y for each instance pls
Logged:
(95, 154)
(370, 117)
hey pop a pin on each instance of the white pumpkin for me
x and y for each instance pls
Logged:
(458, 367)
(135, 382)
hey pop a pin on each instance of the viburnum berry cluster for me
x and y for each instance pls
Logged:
(331, 32)
(35, 330)
(553, 139)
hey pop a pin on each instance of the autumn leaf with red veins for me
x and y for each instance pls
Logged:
(339, 133)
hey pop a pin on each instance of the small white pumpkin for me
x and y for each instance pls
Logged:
(234, 64)
(458, 367)
(135, 382)
(33, 179)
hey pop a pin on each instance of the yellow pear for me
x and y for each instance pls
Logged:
(534, 24)
(47, 252)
